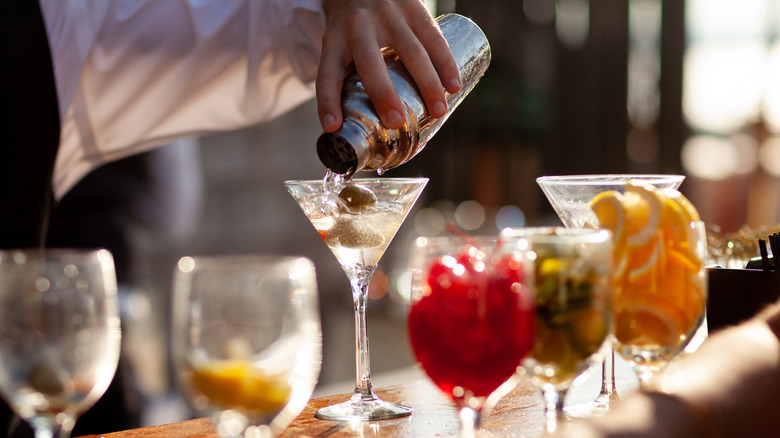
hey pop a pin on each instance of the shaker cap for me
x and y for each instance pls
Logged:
(342, 151)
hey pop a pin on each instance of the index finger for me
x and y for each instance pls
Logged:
(430, 36)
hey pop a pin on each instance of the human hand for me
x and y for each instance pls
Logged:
(356, 30)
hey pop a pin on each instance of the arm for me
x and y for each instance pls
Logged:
(135, 75)
(132, 76)
(356, 30)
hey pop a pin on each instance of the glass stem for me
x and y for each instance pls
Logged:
(645, 375)
(608, 392)
(50, 432)
(359, 278)
(470, 421)
(553, 406)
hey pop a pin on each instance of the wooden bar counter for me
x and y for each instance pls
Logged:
(519, 414)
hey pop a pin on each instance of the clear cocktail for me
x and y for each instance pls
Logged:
(358, 219)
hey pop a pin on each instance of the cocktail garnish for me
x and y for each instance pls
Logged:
(356, 198)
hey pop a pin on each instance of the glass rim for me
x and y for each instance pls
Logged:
(608, 178)
(52, 250)
(547, 234)
(56, 254)
(454, 238)
(191, 263)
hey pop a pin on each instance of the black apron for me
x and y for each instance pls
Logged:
(29, 124)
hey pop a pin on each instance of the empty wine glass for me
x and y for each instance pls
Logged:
(246, 339)
(573, 276)
(59, 334)
(470, 320)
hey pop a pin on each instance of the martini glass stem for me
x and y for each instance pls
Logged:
(359, 278)
(607, 393)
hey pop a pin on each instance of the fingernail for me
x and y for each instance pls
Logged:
(394, 118)
(328, 120)
(454, 83)
(439, 109)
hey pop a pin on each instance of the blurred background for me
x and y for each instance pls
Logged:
(575, 86)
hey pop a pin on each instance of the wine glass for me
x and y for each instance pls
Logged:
(471, 319)
(358, 219)
(59, 334)
(246, 339)
(660, 311)
(573, 277)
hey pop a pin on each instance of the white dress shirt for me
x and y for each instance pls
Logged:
(135, 74)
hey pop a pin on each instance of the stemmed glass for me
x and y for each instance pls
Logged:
(659, 312)
(358, 219)
(570, 197)
(471, 319)
(573, 277)
(59, 334)
(246, 339)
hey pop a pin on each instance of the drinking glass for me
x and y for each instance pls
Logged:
(59, 334)
(246, 339)
(357, 219)
(471, 319)
(659, 309)
(573, 277)
(570, 197)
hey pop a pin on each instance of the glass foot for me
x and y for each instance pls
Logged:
(358, 408)
(597, 407)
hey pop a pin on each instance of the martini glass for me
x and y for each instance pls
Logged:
(358, 219)
(570, 197)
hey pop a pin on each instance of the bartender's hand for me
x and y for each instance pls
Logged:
(356, 30)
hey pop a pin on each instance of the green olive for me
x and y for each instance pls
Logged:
(357, 198)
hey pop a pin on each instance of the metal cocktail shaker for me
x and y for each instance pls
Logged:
(363, 143)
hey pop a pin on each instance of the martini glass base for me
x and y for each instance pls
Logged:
(359, 408)
(597, 407)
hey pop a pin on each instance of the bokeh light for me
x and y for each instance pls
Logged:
(708, 157)
(509, 216)
(572, 23)
(379, 285)
(716, 157)
(403, 286)
(429, 222)
(770, 156)
(723, 85)
(470, 215)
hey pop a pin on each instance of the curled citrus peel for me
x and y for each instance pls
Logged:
(659, 285)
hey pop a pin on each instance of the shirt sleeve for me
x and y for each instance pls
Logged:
(132, 75)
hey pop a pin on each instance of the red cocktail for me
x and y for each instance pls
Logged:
(471, 318)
